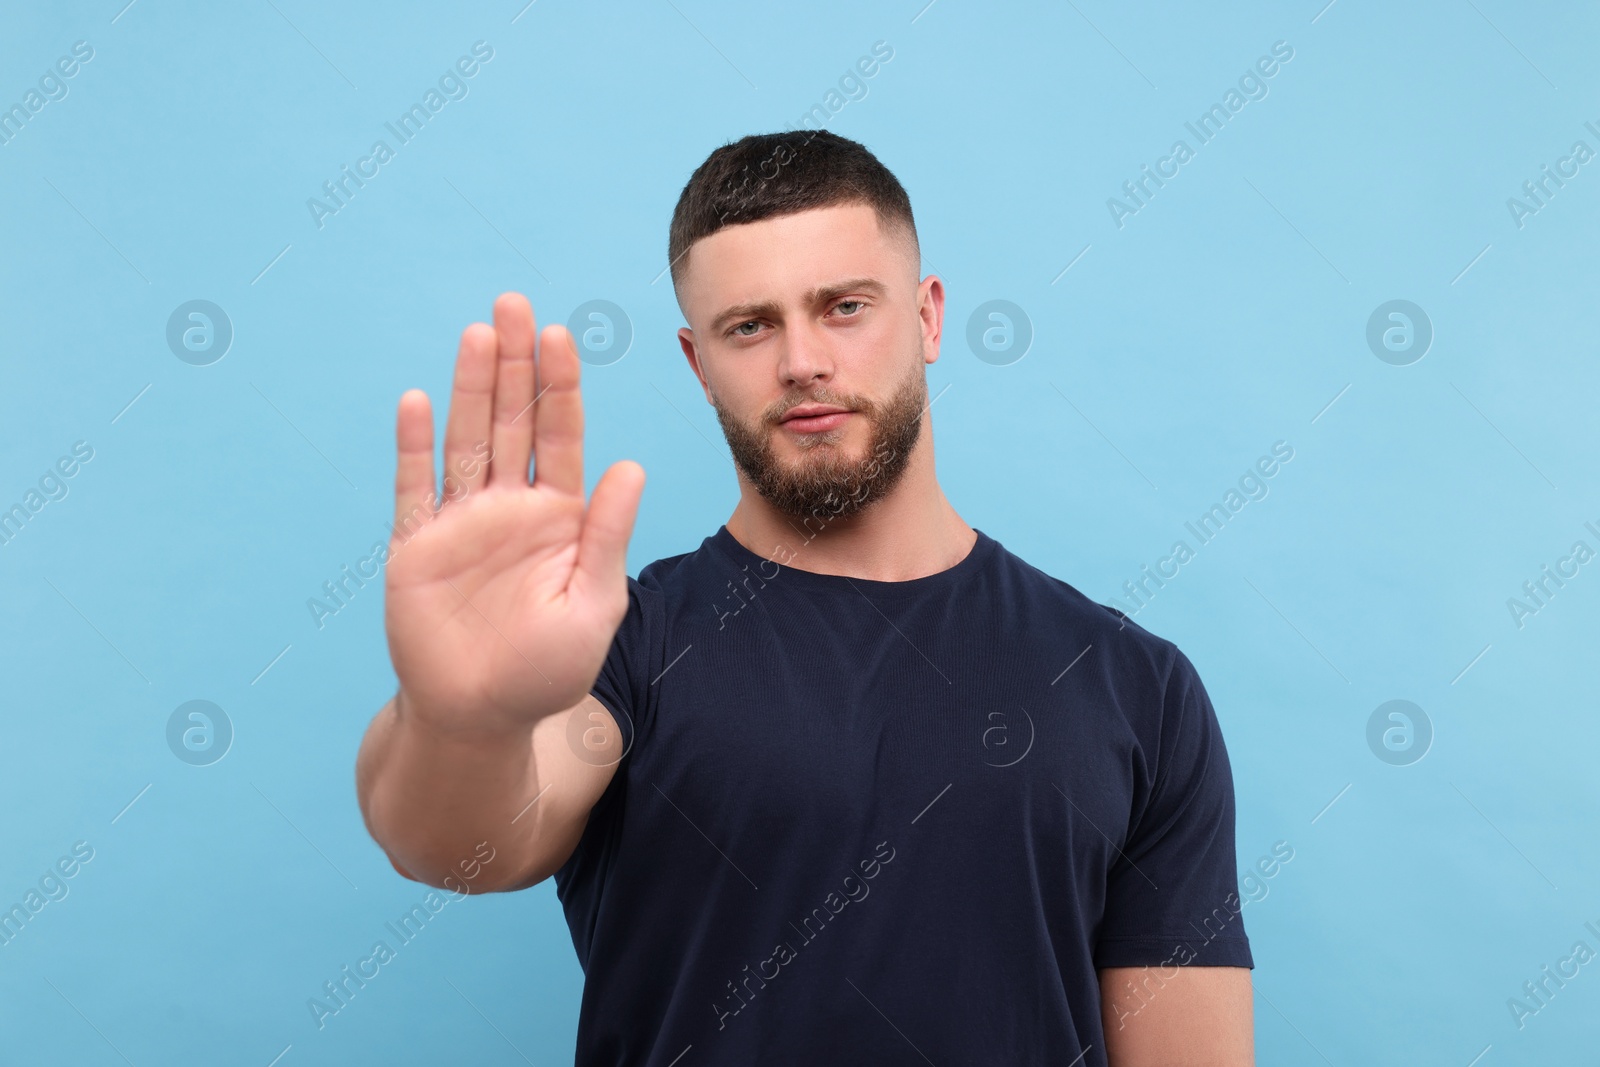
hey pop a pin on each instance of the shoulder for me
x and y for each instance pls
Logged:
(1143, 680)
(672, 590)
(669, 572)
(1123, 644)
(668, 582)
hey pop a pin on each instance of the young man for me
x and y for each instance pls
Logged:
(850, 782)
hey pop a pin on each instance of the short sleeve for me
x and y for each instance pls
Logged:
(623, 686)
(1172, 896)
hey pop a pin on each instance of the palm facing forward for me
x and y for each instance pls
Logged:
(501, 605)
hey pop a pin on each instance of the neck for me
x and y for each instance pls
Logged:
(910, 532)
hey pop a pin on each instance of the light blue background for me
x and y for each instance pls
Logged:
(1226, 315)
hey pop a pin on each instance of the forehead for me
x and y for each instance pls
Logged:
(777, 257)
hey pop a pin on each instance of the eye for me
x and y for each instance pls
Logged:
(856, 303)
(736, 330)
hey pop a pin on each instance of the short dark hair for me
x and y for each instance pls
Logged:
(768, 174)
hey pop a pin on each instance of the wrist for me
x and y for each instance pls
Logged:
(461, 730)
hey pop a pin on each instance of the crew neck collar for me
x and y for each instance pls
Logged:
(983, 549)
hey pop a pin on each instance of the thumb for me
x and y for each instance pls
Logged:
(602, 567)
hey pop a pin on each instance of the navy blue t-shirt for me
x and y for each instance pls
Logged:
(890, 822)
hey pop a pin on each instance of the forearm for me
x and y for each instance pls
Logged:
(431, 800)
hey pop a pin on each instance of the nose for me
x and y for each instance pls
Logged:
(804, 358)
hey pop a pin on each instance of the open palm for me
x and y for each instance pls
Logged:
(501, 604)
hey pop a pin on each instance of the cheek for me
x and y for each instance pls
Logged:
(747, 411)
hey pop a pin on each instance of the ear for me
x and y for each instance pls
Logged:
(930, 309)
(692, 354)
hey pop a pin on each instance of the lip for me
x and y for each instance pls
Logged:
(800, 411)
(815, 418)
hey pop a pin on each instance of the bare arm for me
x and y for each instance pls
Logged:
(1200, 1017)
(430, 799)
(501, 600)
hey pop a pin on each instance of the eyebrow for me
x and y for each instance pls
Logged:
(819, 295)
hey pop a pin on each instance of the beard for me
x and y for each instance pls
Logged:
(825, 480)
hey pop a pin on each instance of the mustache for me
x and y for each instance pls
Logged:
(854, 403)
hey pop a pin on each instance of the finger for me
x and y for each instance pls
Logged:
(512, 435)
(413, 474)
(607, 525)
(558, 430)
(466, 433)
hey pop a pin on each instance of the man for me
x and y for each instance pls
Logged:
(849, 783)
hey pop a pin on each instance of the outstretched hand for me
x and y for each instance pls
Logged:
(502, 596)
